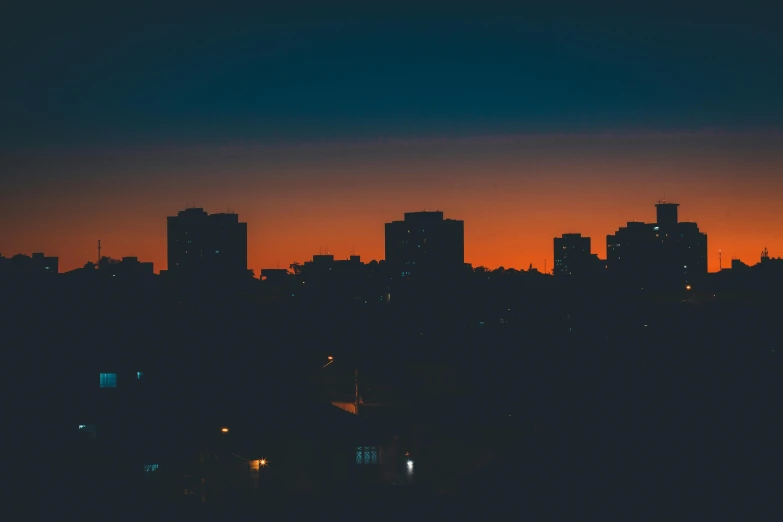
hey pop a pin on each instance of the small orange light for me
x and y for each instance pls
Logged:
(262, 462)
(330, 358)
(224, 430)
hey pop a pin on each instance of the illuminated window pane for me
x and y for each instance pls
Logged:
(89, 430)
(367, 455)
(108, 380)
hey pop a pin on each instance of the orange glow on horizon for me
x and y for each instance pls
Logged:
(514, 201)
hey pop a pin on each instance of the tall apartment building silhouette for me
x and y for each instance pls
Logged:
(202, 244)
(572, 256)
(668, 252)
(425, 241)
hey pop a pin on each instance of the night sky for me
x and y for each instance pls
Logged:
(319, 124)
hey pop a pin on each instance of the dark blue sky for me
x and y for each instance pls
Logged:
(109, 75)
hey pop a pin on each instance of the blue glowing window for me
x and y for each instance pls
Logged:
(108, 380)
(139, 375)
(149, 468)
(367, 455)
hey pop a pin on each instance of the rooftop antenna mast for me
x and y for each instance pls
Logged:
(720, 259)
(99, 251)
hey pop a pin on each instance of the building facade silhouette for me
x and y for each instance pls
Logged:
(202, 244)
(129, 265)
(36, 264)
(425, 241)
(667, 253)
(573, 257)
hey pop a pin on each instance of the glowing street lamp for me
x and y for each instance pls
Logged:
(331, 360)
(224, 430)
(688, 287)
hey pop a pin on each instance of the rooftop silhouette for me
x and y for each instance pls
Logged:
(408, 345)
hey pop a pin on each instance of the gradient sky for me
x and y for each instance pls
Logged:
(317, 125)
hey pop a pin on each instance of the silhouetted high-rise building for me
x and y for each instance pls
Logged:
(213, 245)
(425, 241)
(573, 257)
(666, 213)
(666, 253)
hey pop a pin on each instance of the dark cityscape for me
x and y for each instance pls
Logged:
(632, 373)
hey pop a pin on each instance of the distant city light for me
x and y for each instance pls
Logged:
(262, 462)
(224, 430)
(688, 287)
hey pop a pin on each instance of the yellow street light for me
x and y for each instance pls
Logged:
(224, 430)
(688, 287)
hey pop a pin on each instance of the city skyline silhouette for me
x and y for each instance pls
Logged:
(310, 260)
(596, 245)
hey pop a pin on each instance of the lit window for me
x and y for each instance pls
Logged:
(89, 430)
(367, 455)
(108, 380)
(149, 468)
(139, 375)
